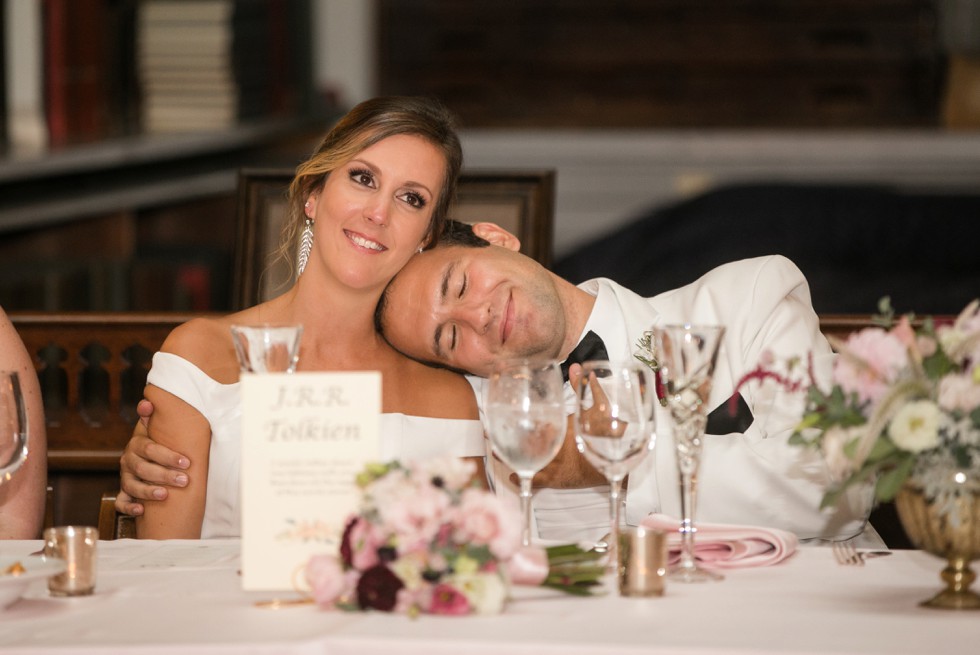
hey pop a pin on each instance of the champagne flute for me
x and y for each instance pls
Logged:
(614, 427)
(686, 355)
(13, 425)
(526, 417)
(268, 347)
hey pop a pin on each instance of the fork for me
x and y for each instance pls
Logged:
(846, 554)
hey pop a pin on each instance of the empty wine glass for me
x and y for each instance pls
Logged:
(267, 348)
(526, 416)
(686, 356)
(13, 425)
(614, 427)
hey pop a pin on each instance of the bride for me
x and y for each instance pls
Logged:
(375, 192)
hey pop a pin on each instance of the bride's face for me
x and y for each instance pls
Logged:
(373, 213)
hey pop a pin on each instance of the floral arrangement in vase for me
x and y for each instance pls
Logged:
(904, 402)
(426, 539)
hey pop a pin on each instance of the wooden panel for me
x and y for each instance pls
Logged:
(667, 63)
(92, 369)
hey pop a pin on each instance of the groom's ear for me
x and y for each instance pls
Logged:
(497, 236)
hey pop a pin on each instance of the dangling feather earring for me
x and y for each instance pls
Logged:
(305, 245)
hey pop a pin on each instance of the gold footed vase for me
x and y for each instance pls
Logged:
(949, 529)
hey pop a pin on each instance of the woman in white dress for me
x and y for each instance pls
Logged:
(374, 193)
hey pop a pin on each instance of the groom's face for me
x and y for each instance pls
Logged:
(466, 308)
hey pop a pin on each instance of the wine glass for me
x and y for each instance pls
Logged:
(686, 357)
(13, 425)
(268, 347)
(526, 416)
(614, 427)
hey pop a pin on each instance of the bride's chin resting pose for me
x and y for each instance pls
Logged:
(374, 193)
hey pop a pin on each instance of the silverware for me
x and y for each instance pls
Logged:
(846, 554)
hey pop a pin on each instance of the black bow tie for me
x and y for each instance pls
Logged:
(589, 348)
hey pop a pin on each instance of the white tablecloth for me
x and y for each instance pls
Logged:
(185, 597)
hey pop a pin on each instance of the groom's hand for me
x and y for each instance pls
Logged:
(146, 468)
(569, 469)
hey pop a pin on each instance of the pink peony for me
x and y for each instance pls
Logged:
(448, 600)
(485, 519)
(327, 580)
(415, 518)
(880, 356)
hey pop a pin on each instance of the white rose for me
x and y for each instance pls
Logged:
(486, 592)
(915, 426)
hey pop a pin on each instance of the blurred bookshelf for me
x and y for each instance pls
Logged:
(126, 122)
(744, 64)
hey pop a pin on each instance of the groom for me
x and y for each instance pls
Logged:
(475, 299)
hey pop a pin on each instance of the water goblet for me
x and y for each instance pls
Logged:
(614, 428)
(13, 425)
(686, 356)
(268, 347)
(526, 416)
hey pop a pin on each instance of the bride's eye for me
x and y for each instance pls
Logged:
(414, 199)
(362, 176)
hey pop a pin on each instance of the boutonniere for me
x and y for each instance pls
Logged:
(646, 355)
(644, 351)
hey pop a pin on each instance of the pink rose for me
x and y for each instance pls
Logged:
(327, 579)
(486, 519)
(870, 361)
(448, 600)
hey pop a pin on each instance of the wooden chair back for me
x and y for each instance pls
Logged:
(92, 368)
(522, 201)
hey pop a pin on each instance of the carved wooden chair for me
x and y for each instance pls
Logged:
(92, 368)
(521, 201)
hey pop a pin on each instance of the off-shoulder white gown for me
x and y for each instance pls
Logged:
(402, 437)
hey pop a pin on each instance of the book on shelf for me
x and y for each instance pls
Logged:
(23, 37)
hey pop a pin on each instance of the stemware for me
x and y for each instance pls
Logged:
(526, 416)
(13, 425)
(267, 348)
(686, 356)
(614, 427)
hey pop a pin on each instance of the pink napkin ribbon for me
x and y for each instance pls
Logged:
(721, 546)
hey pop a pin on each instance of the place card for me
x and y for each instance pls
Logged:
(305, 437)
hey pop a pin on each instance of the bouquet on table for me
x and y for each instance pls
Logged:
(904, 402)
(428, 540)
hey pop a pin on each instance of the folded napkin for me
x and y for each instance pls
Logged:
(720, 546)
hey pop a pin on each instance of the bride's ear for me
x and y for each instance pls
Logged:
(497, 236)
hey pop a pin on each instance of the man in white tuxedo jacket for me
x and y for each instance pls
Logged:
(465, 306)
(475, 299)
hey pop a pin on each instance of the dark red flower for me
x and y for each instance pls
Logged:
(346, 552)
(378, 588)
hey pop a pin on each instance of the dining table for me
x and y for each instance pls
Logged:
(185, 596)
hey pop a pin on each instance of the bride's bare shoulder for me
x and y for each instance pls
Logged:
(205, 342)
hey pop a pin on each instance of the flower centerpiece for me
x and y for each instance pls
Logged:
(426, 539)
(903, 414)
